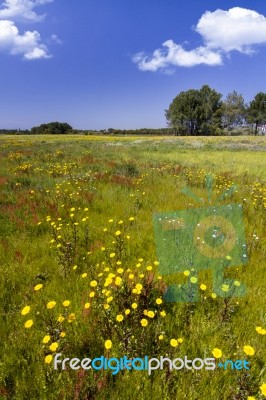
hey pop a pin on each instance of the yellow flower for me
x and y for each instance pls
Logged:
(160, 337)
(214, 295)
(156, 263)
(228, 258)
(236, 283)
(60, 318)
(180, 340)
(28, 323)
(108, 281)
(84, 275)
(108, 344)
(159, 301)
(203, 287)
(38, 287)
(120, 222)
(112, 255)
(225, 288)
(150, 314)
(25, 310)
(186, 273)
(66, 303)
(72, 209)
(139, 286)
(217, 353)
(48, 359)
(134, 306)
(260, 330)
(93, 283)
(131, 219)
(251, 398)
(53, 346)
(134, 291)
(263, 389)
(120, 270)
(141, 275)
(118, 280)
(173, 342)
(71, 317)
(144, 322)
(87, 305)
(46, 339)
(131, 276)
(118, 233)
(62, 334)
(149, 268)
(249, 350)
(109, 299)
(127, 311)
(119, 317)
(106, 306)
(75, 267)
(193, 279)
(91, 294)
(162, 313)
(51, 304)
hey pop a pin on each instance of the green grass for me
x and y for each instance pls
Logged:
(42, 241)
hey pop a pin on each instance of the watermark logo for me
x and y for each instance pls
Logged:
(204, 238)
(116, 365)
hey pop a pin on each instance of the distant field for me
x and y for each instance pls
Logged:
(80, 273)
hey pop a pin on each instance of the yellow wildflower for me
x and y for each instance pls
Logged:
(48, 359)
(28, 324)
(46, 339)
(25, 310)
(51, 304)
(217, 353)
(38, 287)
(108, 344)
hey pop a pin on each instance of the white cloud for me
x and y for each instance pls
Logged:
(236, 29)
(175, 55)
(29, 44)
(222, 31)
(22, 10)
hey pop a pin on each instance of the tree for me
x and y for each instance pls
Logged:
(52, 128)
(233, 110)
(257, 111)
(195, 112)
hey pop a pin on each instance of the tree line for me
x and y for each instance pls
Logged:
(192, 112)
(203, 112)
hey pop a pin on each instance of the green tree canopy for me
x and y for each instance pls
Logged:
(196, 112)
(257, 110)
(234, 110)
(51, 128)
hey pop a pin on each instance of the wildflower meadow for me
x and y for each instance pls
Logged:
(80, 270)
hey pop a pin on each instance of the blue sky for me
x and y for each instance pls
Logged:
(100, 64)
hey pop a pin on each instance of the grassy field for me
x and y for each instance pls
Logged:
(80, 274)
